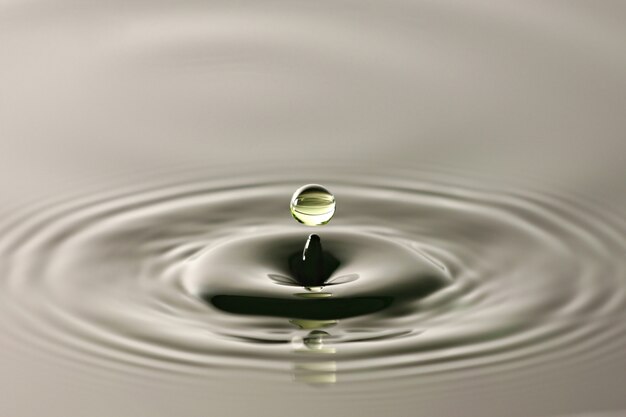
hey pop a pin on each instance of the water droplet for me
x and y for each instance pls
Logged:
(312, 205)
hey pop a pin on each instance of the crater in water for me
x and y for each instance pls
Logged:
(366, 274)
(424, 276)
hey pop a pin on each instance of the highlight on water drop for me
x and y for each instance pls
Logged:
(312, 205)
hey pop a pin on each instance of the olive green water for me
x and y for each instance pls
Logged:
(474, 266)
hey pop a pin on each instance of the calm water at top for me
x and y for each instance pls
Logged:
(149, 262)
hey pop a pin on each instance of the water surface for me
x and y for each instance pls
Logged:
(151, 149)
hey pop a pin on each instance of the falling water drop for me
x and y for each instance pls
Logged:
(312, 205)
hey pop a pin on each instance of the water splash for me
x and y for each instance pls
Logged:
(433, 278)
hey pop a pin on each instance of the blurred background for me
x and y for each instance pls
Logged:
(534, 90)
(113, 92)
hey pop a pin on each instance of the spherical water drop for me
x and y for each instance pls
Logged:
(312, 205)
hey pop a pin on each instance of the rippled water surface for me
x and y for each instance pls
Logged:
(149, 262)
